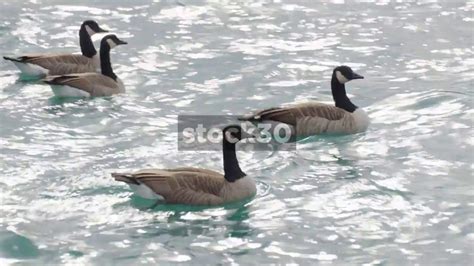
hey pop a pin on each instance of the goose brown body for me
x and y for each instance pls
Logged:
(311, 118)
(59, 64)
(191, 186)
(95, 84)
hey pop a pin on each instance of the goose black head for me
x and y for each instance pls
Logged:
(234, 133)
(344, 74)
(92, 27)
(111, 41)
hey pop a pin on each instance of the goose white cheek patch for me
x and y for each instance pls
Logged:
(111, 43)
(89, 30)
(230, 138)
(341, 77)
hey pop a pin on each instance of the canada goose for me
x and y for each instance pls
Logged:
(40, 65)
(315, 118)
(194, 186)
(91, 84)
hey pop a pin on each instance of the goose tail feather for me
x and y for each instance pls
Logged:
(12, 59)
(126, 178)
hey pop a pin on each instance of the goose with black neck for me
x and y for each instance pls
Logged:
(196, 186)
(40, 65)
(313, 118)
(91, 84)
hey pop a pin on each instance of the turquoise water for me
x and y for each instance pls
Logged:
(400, 193)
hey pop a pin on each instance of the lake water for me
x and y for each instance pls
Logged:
(400, 193)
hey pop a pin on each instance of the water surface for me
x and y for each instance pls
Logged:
(400, 193)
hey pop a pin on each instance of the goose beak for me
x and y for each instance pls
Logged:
(121, 42)
(99, 30)
(356, 76)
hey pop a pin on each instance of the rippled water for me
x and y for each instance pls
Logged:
(400, 193)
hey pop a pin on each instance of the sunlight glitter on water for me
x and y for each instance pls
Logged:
(399, 193)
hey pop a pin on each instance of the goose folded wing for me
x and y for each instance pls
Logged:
(93, 83)
(67, 68)
(48, 59)
(195, 170)
(184, 185)
(291, 114)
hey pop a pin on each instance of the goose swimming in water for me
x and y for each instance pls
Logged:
(91, 84)
(195, 186)
(40, 65)
(316, 118)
